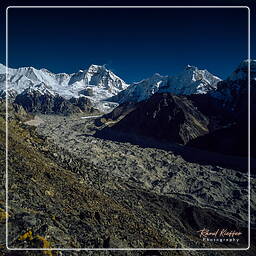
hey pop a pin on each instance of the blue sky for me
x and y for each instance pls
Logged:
(134, 43)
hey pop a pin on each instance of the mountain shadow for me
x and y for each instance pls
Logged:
(176, 123)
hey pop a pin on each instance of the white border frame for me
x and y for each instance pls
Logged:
(131, 249)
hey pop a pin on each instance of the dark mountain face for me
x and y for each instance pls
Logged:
(217, 121)
(83, 103)
(229, 106)
(233, 96)
(35, 102)
(87, 92)
(163, 116)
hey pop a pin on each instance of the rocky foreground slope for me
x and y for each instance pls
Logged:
(69, 189)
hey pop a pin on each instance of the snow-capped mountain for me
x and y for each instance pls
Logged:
(105, 90)
(190, 81)
(235, 86)
(97, 82)
(142, 90)
(241, 72)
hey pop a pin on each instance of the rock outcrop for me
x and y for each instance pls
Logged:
(35, 102)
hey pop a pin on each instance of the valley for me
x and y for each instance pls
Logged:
(96, 163)
(75, 190)
(164, 172)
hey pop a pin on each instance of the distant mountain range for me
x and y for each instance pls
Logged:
(100, 85)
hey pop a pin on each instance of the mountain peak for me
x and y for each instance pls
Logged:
(45, 70)
(241, 72)
(96, 68)
(246, 62)
(190, 81)
(157, 75)
(190, 67)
